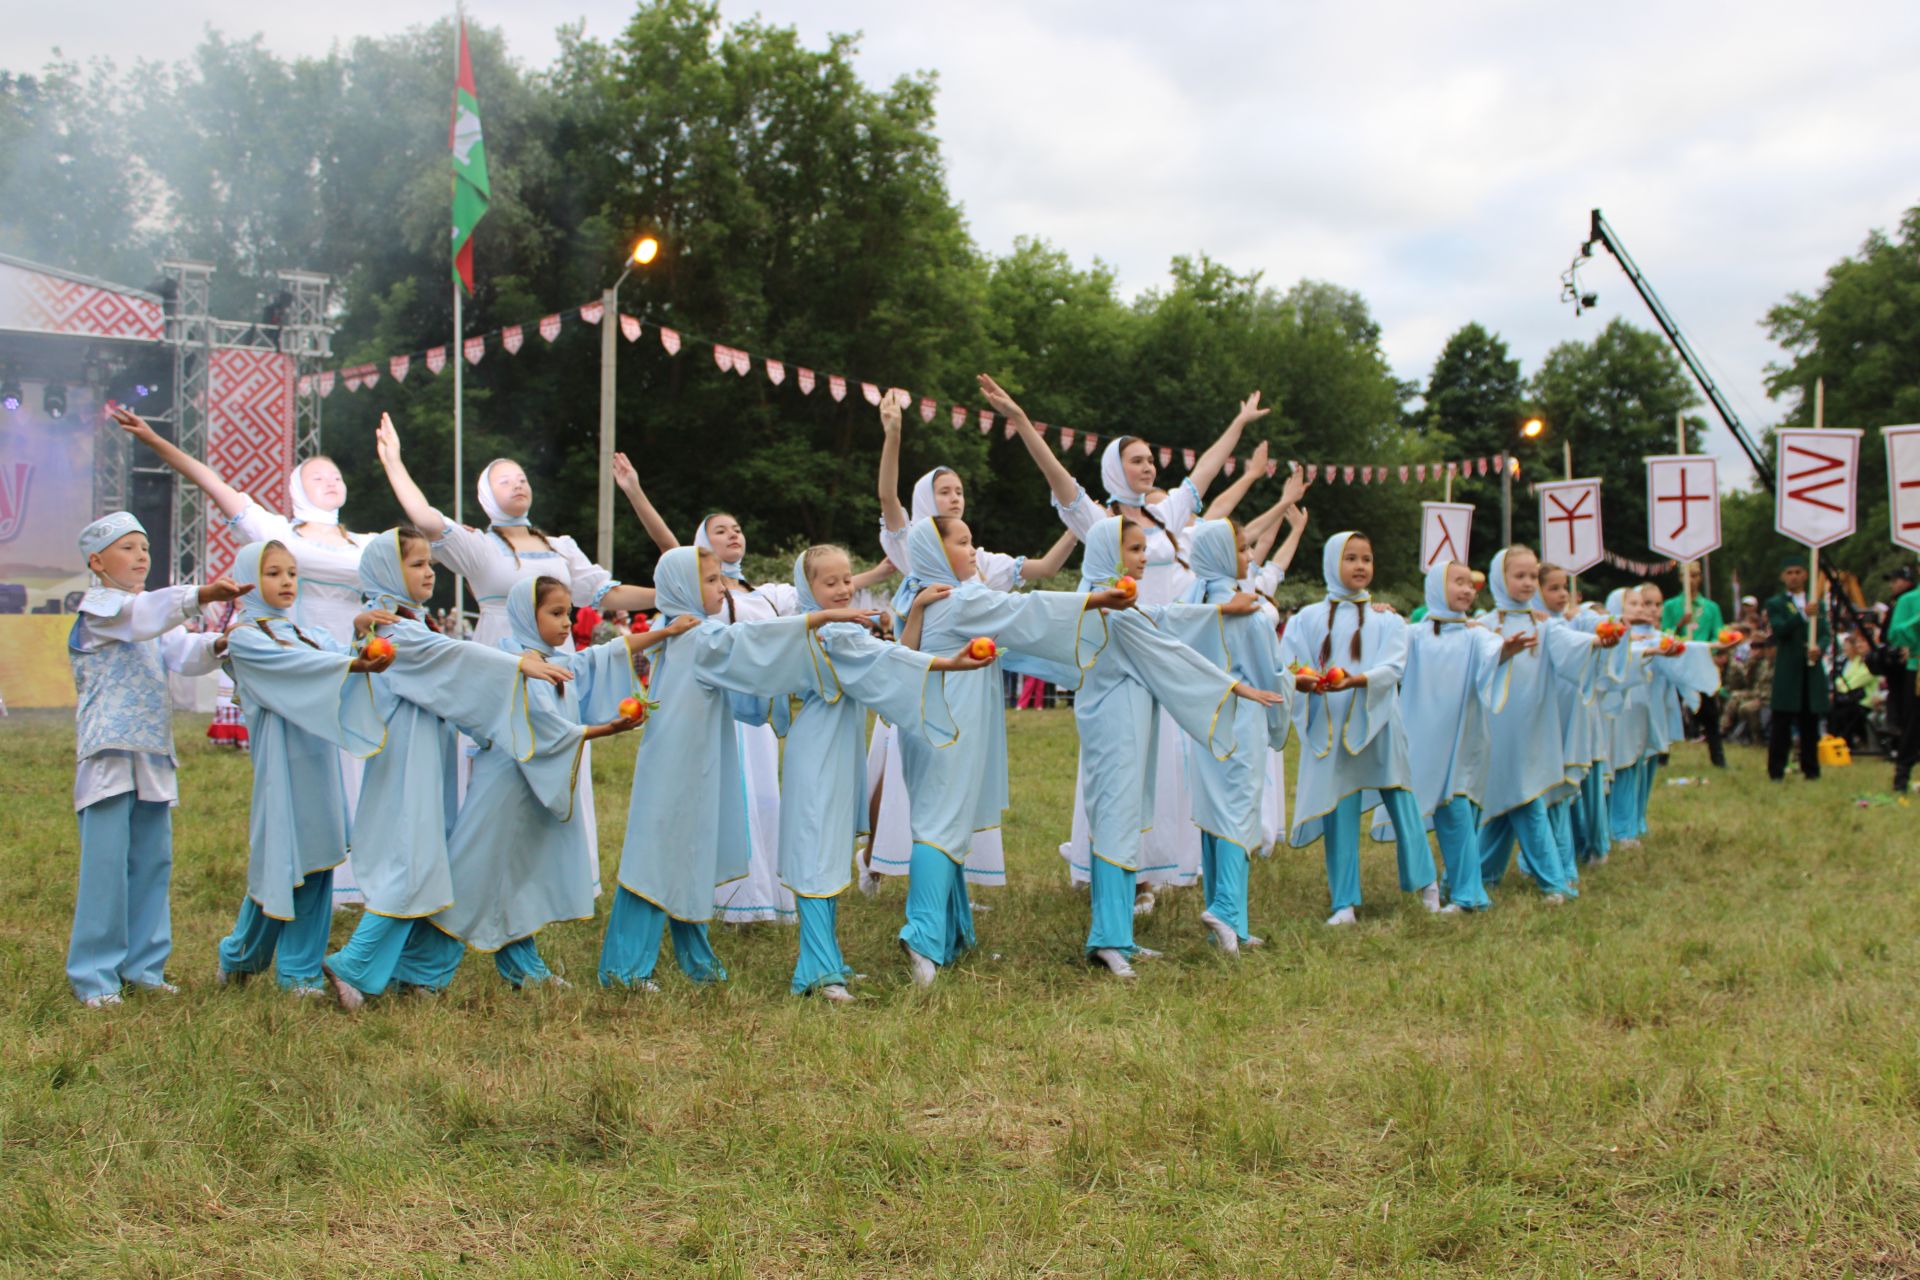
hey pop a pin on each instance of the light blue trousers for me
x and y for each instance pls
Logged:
(1110, 894)
(1592, 819)
(1224, 870)
(635, 929)
(1626, 819)
(1560, 822)
(293, 947)
(1341, 835)
(939, 915)
(384, 950)
(820, 963)
(122, 923)
(1539, 852)
(439, 955)
(1456, 826)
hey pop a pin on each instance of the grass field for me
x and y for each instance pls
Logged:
(1708, 1065)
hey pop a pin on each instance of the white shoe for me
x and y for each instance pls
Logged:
(869, 882)
(1343, 916)
(306, 993)
(223, 976)
(1554, 899)
(1114, 961)
(924, 970)
(1452, 909)
(979, 908)
(349, 995)
(1143, 905)
(836, 993)
(1223, 935)
(647, 986)
(554, 982)
(1254, 940)
(158, 988)
(1146, 953)
(1430, 896)
(106, 1001)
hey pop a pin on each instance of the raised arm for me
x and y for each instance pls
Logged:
(1034, 570)
(891, 512)
(1268, 521)
(224, 495)
(1059, 479)
(1296, 525)
(1208, 465)
(1222, 507)
(628, 479)
(874, 576)
(638, 640)
(419, 511)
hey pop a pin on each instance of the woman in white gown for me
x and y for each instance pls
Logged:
(939, 492)
(510, 551)
(760, 895)
(1170, 853)
(325, 552)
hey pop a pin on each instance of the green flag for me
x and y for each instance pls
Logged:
(470, 188)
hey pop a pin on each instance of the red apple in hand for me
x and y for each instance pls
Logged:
(982, 649)
(378, 648)
(1126, 586)
(633, 709)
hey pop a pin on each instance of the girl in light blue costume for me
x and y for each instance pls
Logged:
(1355, 746)
(1528, 762)
(1656, 680)
(1583, 729)
(1446, 702)
(687, 818)
(436, 688)
(822, 771)
(1624, 703)
(518, 853)
(962, 790)
(124, 641)
(1591, 820)
(1225, 788)
(306, 701)
(1116, 713)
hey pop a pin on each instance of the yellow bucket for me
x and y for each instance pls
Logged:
(1834, 753)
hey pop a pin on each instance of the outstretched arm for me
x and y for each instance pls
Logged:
(224, 495)
(638, 640)
(1222, 507)
(1059, 479)
(891, 511)
(629, 596)
(420, 512)
(1034, 570)
(874, 576)
(628, 479)
(1208, 465)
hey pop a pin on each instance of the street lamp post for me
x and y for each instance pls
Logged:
(1531, 429)
(643, 253)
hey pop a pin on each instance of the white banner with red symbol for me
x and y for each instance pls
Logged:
(1570, 534)
(1445, 528)
(1683, 505)
(1903, 484)
(1818, 473)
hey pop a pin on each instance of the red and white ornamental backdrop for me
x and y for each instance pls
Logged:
(249, 435)
(40, 301)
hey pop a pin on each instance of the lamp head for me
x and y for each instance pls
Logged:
(1533, 428)
(645, 250)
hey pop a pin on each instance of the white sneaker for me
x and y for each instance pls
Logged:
(306, 993)
(1146, 953)
(158, 988)
(106, 1001)
(647, 986)
(836, 993)
(554, 982)
(1343, 916)
(1114, 961)
(349, 995)
(1223, 935)
(1452, 909)
(1554, 899)
(1254, 940)
(1143, 905)
(1430, 896)
(869, 881)
(924, 970)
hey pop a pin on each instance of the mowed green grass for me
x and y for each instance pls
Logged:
(1708, 1065)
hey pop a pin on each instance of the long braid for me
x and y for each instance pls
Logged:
(1326, 644)
(1172, 541)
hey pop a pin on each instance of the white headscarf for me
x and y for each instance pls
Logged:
(490, 504)
(304, 511)
(731, 568)
(1114, 476)
(923, 503)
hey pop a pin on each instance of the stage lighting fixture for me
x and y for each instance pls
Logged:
(141, 391)
(10, 395)
(1588, 300)
(54, 401)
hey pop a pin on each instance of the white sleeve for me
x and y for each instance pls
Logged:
(999, 570)
(463, 550)
(189, 653)
(893, 544)
(1177, 509)
(588, 580)
(782, 596)
(1081, 514)
(148, 615)
(1268, 577)
(257, 524)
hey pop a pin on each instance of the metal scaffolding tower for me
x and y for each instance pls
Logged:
(190, 331)
(308, 338)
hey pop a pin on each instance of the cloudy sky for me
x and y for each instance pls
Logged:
(1439, 158)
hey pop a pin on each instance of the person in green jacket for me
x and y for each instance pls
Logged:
(1703, 625)
(1800, 693)
(1903, 632)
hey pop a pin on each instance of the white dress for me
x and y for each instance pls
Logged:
(1170, 851)
(891, 844)
(1273, 795)
(759, 895)
(491, 569)
(329, 602)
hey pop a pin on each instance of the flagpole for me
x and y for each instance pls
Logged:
(459, 359)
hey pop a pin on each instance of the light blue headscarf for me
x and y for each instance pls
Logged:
(676, 585)
(1330, 569)
(1436, 594)
(800, 585)
(1497, 583)
(1616, 601)
(1213, 553)
(523, 603)
(927, 566)
(383, 580)
(1100, 563)
(246, 568)
(1113, 474)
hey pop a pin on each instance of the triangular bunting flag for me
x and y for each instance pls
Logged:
(837, 385)
(670, 339)
(959, 417)
(550, 327)
(742, 362)
(1366, 477)
(903, 398)
(398, 367)
(870, 393)
(1186, 459)
(1273, 468)
(326, 384)
(1066, 439)
(1088, 445)
(351, 377)
(1453, 468)
(1166, 456)
(1403, 473)
(1233, 462)
(722, 358)
(369, 375)
(776, 372)
(1009, 426)
(630, 325)
(927, 408)
(591, 312)
(510, 338)
(806, 382)
(474, 348)
(436, 359)
(986, 421)
(1313, 470)
(306, 384)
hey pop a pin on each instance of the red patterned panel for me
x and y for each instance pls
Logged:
(249, 435)
(47, 303)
